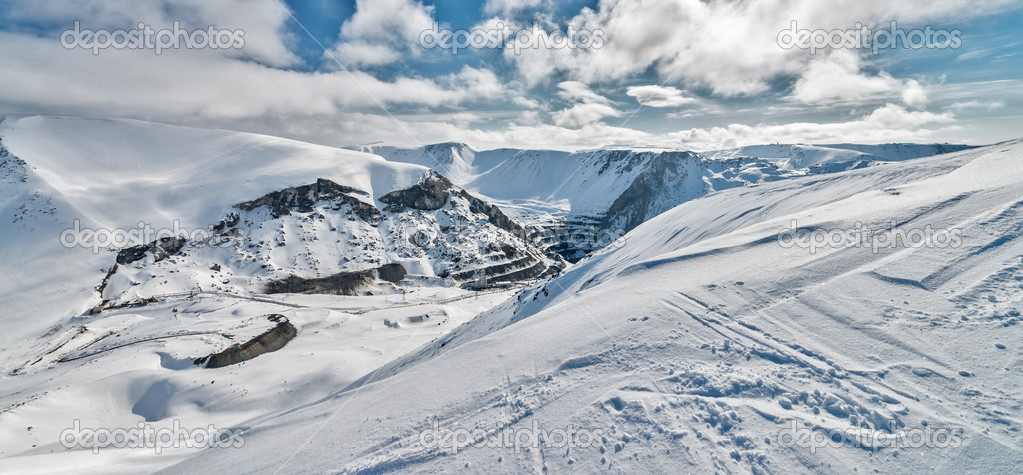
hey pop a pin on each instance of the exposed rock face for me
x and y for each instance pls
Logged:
(431, 193)
(161, 249)
(302, 198)
(493, 213)
(344, 283)
(392, 273)
(12, 168)
(270, 340)
(323, 238)
(631, 208)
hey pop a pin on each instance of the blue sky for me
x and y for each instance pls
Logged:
(676, 73)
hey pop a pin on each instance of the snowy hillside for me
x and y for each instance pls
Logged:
(311, 237)
(337, 308)
(586, 200)
(359, 258)
(716, 338)
(820, 156)
(66, 179)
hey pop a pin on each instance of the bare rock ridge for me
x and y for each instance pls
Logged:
(431, 193)
(328, 238)
(343, 283)
(302, 198)
(160, 249)
(268, 341)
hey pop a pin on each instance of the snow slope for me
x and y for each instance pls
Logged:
(691, 344)
(698, 343)
(116, 173)
(609, 191)
(797, 156)
(88, 342)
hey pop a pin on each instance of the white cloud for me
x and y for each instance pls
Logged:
(583, 114)
(659, 96)
(836, 78)
(725, 48)
(575, 90)
(40, 75)
(508, 8)
(890, 123)
(728, 48)
(914, 95)
(976, 105)
(590, 107)
(262, 21)
(381, 31)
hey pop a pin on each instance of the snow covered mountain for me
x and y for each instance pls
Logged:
(337, 309)
(339, 243)
(71, 185)
(588, 199)
(821, 158)
(718, 337)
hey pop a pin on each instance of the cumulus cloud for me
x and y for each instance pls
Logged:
(263, 22)
(728, 48)
(582, 114)
(837, 78)
(659, 96)
(382, 31)
(590, 107)
(719, 49)
(577, 91)
(914, 95)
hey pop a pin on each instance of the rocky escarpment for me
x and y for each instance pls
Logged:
(343, 283)
(160, 249)
(303, 198)
(431, 193)
(327, 238)
(268, 341)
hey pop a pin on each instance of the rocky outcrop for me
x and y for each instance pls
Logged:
(337, 244)
(432, 193)
(493, 213)
(392, 273)
(429, 194)
(160, 249)
(344, 283)
(268, 341)
(302, 198)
